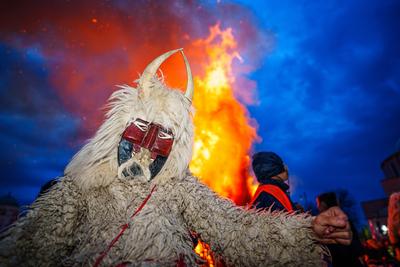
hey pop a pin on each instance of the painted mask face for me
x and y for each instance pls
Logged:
(147, 145)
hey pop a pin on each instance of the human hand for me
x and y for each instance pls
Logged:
(332, 227)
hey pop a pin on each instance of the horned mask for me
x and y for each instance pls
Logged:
(146, 145)
(147, 134)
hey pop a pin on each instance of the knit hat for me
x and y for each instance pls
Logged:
(266, 165)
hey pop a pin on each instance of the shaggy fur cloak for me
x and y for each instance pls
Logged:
(78, 217)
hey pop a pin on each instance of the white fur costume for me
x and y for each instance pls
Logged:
(77, 219)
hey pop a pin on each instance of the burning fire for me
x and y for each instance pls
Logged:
(223, 135)
(203, 250)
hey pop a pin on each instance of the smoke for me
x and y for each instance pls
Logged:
(69, 55)
(88, 47)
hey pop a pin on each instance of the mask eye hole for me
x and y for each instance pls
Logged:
(165, 134)
(141, 125)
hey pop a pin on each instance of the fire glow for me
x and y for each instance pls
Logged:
(223, 134)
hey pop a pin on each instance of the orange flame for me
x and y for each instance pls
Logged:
(203, 250)
(223, 134)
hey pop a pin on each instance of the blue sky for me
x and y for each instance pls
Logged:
(329, 98)
(327, 74)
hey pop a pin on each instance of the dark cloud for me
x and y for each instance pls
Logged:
(24, 87)
(36, 133)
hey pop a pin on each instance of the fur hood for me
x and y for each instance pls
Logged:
(96, 164)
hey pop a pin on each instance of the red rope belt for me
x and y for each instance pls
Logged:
(124, 227)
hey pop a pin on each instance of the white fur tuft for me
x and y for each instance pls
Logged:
(96, 165)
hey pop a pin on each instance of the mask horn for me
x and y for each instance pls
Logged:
(189, 86)
(151, 69)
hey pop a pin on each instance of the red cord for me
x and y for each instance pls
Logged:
(124, 227)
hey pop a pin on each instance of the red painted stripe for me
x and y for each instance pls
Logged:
(124, 227)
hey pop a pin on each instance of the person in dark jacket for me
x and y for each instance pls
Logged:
(271, 173)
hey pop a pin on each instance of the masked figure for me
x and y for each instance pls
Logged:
(127, 197)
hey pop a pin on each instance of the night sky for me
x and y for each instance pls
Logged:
(324, 76)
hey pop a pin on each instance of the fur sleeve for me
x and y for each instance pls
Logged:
(246, 237)
(43, 237)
